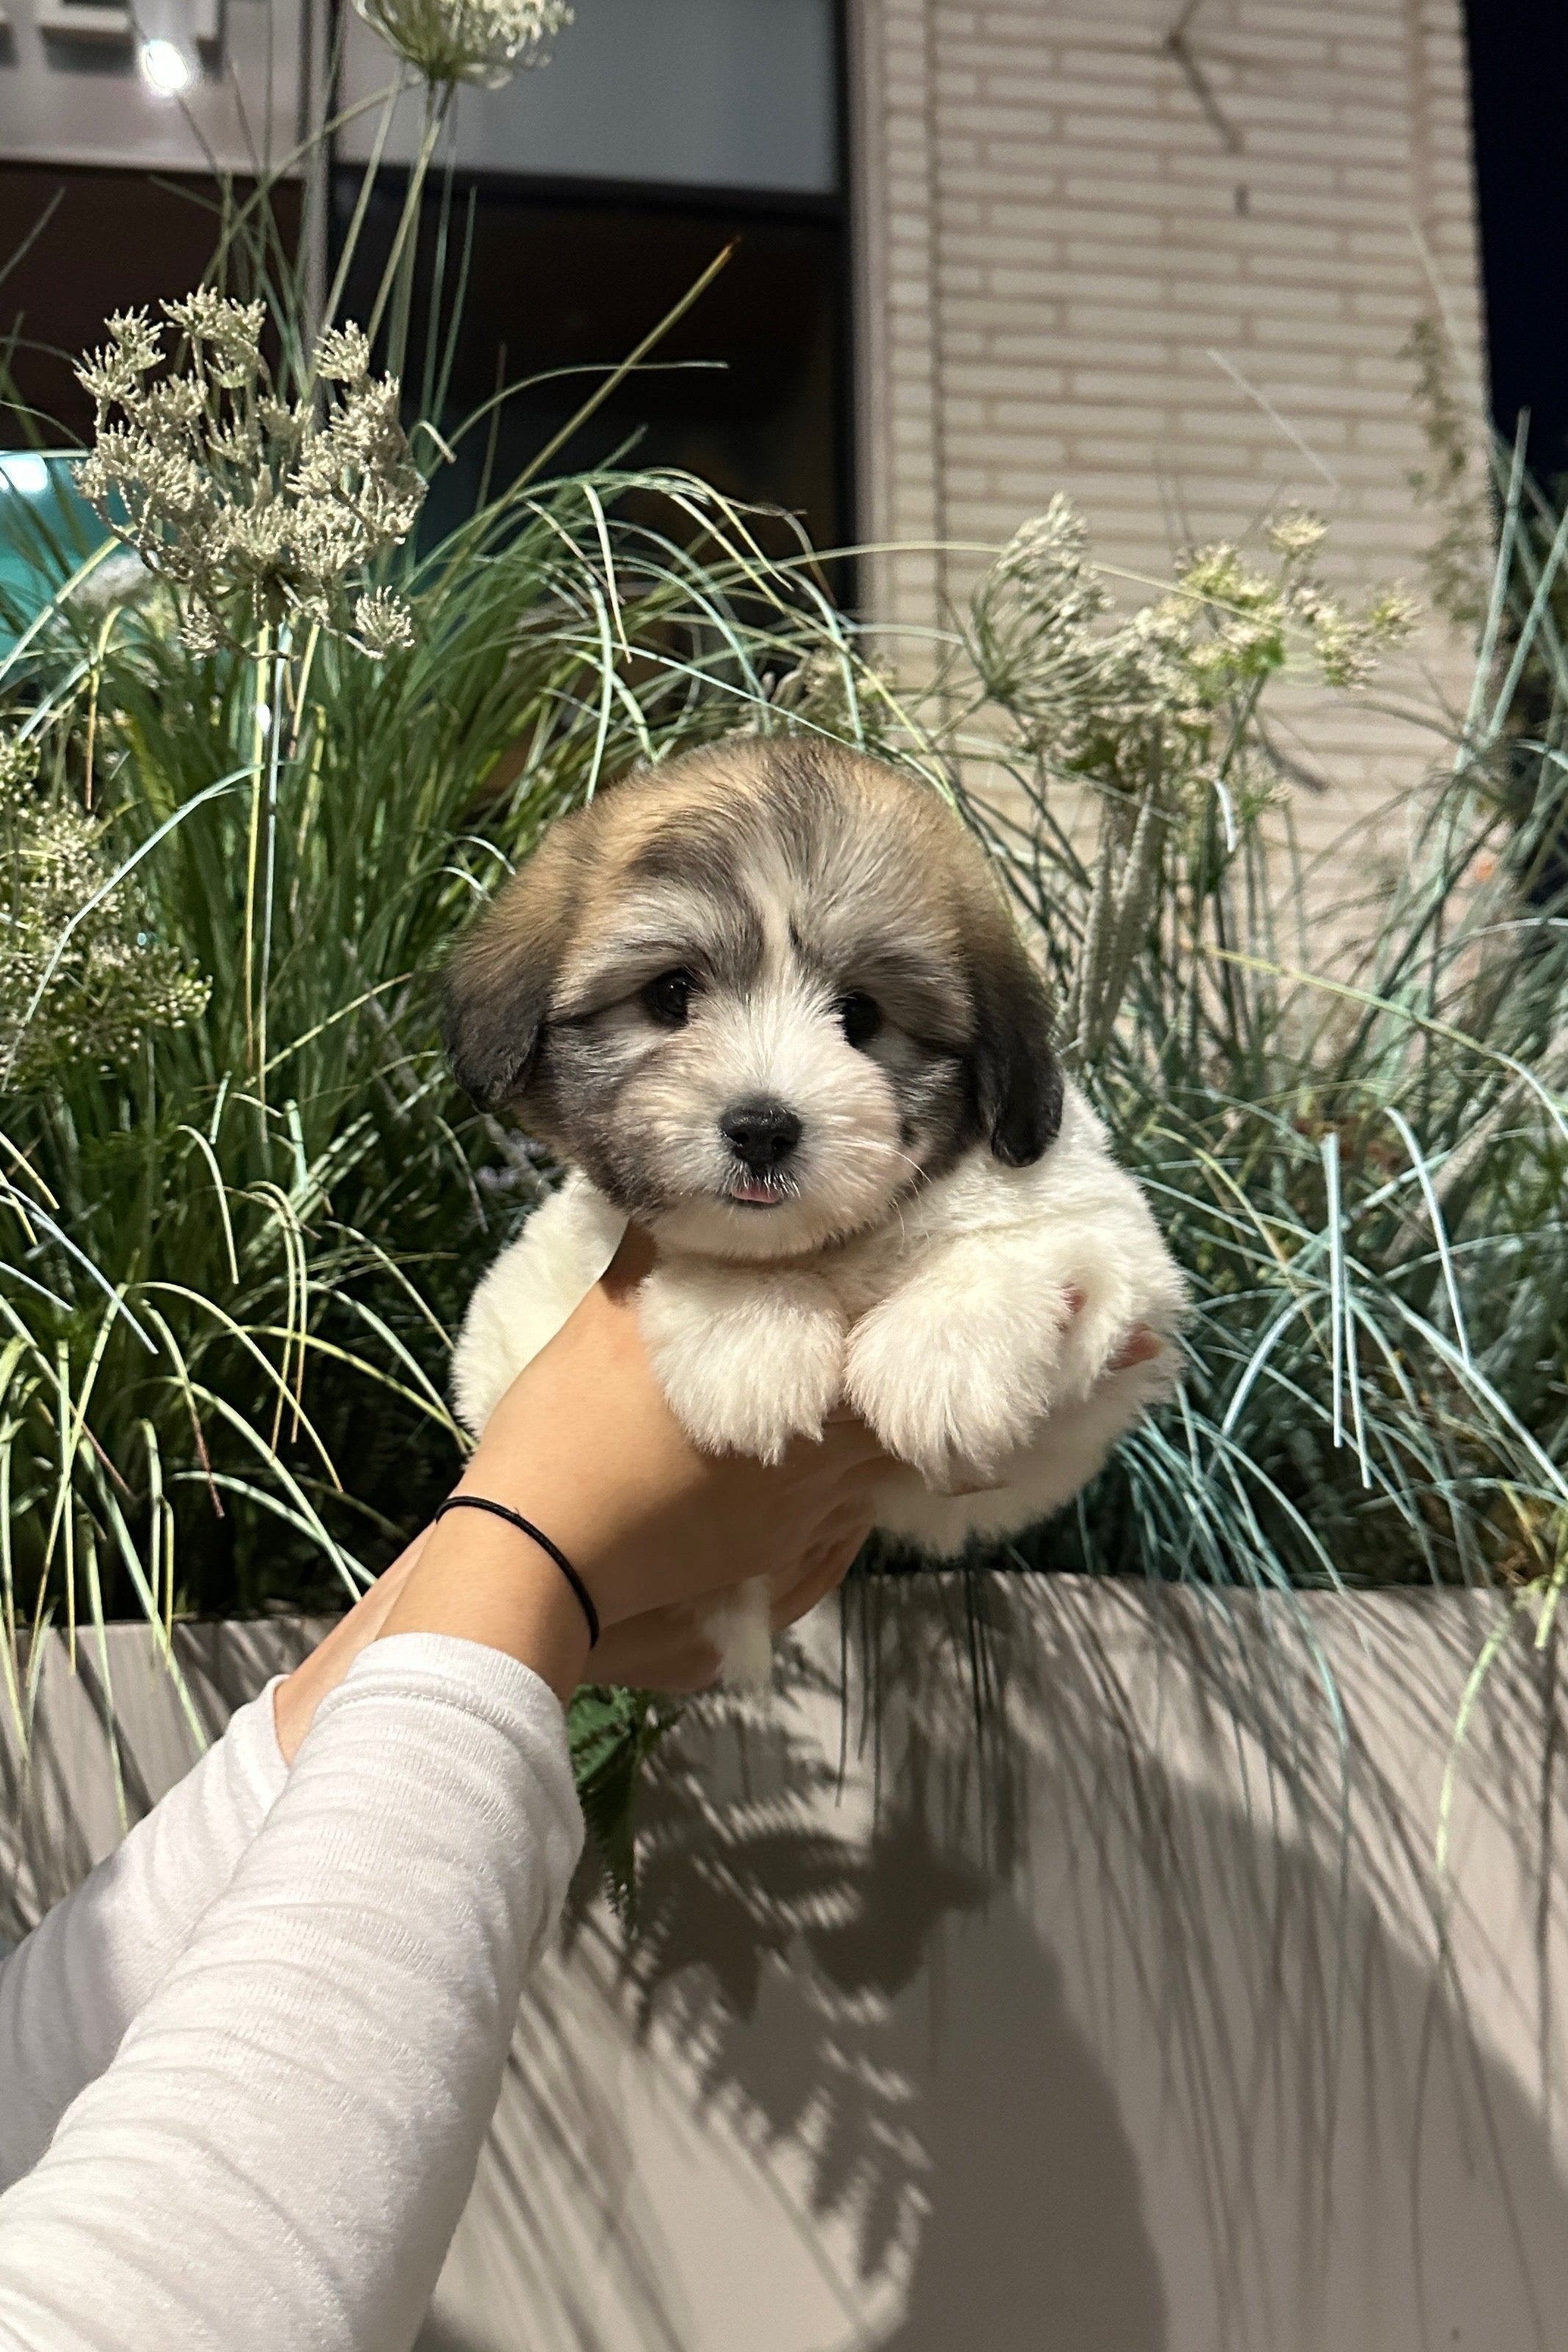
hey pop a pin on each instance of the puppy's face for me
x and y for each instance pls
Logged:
(758, 995)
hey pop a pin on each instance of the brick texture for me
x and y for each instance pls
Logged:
(1178, 295)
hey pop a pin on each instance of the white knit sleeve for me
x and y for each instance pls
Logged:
(280, 2150)
(72, 1986)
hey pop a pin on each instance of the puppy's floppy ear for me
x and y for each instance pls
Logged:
(1017, 1078)
(500, 983)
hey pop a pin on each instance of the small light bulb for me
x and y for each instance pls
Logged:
(25, 471)
(165, 66)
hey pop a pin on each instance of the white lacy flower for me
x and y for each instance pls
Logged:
(1154, 700)
(262, 510)
(1347, 643)
(382, 623)
(343, 356)
(483, 41)
(18, 766)
(78, 980)
(1297, 534)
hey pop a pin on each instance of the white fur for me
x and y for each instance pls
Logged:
(748, 1357)
(528, 1293)
(973, 1331)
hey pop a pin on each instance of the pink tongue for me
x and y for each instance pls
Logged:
(755, 1192)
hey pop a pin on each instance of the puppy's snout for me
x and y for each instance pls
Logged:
(760, 1134)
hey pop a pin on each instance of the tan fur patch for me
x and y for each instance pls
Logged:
(586, 864)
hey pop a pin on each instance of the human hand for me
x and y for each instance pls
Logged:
(584, 1445)
(668, 1646)
(676, 1648)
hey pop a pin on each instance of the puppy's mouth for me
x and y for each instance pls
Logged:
(757, 1192)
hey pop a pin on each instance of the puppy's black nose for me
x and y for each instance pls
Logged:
(762, 1134)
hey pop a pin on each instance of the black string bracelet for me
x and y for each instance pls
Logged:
(535, 1535)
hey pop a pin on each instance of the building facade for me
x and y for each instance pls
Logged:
(1166, 259)
(1163, 255)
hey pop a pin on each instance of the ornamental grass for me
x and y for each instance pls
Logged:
(264, 753)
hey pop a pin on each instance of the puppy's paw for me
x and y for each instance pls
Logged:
(748, 1360)
(954, 1384)
(1114, 1291)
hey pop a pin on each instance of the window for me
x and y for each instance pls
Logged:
(601, 188)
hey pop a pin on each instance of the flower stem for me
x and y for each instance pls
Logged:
(274, 743)
(398, 278)
(253, 851)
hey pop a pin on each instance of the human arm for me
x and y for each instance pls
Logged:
(282, 2145)
(71, 1989)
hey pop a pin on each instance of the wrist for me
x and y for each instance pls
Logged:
(482, 1580)
(532, 1532)
(577, 1512)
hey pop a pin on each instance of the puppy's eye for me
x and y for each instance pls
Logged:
(860, 1016)
(668, 998)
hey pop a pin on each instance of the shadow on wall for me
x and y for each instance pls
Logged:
(1139, 2041)
(1032, 2231)
(1141, 2025)
(908, 2030)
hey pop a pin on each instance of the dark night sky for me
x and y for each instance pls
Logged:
(1519, 79)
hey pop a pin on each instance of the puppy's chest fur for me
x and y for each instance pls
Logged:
(974, 1329)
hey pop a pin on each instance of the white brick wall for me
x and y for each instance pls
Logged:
(1054, 240)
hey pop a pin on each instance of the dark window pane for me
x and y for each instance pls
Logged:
(116, 241)
(558, 281)
(1519, 73)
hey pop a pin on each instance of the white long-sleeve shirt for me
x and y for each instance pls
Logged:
(246, 2068)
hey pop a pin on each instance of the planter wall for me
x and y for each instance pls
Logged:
(1151, 2028)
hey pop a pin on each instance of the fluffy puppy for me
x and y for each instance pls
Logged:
(766, 999)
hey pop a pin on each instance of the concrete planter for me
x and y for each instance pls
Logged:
(1153, 2027)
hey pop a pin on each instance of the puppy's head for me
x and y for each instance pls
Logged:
(758, 993)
